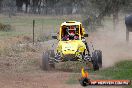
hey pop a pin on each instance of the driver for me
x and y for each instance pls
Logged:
(71, 34)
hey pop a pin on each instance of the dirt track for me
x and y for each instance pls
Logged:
(34, 80)
(112, 44)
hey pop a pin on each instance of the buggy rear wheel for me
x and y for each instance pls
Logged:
(99, 53)
(95, 61)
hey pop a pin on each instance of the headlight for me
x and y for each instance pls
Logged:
(78, 50)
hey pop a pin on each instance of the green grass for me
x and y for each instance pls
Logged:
(21, 21)
(122, 70)
(23, 25)
(11, 33)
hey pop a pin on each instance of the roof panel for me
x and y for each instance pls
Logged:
(71, 23)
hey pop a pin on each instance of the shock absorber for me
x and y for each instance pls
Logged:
(58, 57)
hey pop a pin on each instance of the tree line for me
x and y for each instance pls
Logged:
(101, 7)
(46, 6)
(93, 11)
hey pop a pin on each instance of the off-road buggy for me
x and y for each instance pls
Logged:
(70, 48)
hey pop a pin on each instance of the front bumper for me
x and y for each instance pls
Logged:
(74, 56)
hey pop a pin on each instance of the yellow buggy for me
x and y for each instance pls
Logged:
(72, 46)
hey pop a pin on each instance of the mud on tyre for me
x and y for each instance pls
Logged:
(97, 59)
(47, 60)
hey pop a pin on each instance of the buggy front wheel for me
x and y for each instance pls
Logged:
(47, 62)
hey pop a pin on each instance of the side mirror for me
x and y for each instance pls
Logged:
(85, 35)
(54, 36)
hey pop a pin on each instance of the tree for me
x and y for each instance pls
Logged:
(1, 4)
(102, 8)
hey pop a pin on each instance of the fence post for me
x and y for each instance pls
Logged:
(33, 30)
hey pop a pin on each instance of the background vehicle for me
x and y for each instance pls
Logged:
(70, 48)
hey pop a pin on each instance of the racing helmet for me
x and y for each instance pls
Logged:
(72, 31)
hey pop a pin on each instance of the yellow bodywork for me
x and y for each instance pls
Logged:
(71, 47)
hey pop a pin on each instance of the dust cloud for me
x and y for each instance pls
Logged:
(112, 43)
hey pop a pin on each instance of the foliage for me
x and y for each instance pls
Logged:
(100, 7)
(94, 11)
(5, 27)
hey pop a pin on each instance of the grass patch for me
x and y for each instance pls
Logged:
(122, 70)
(11, 34)
(23, 25)
(23, 21)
